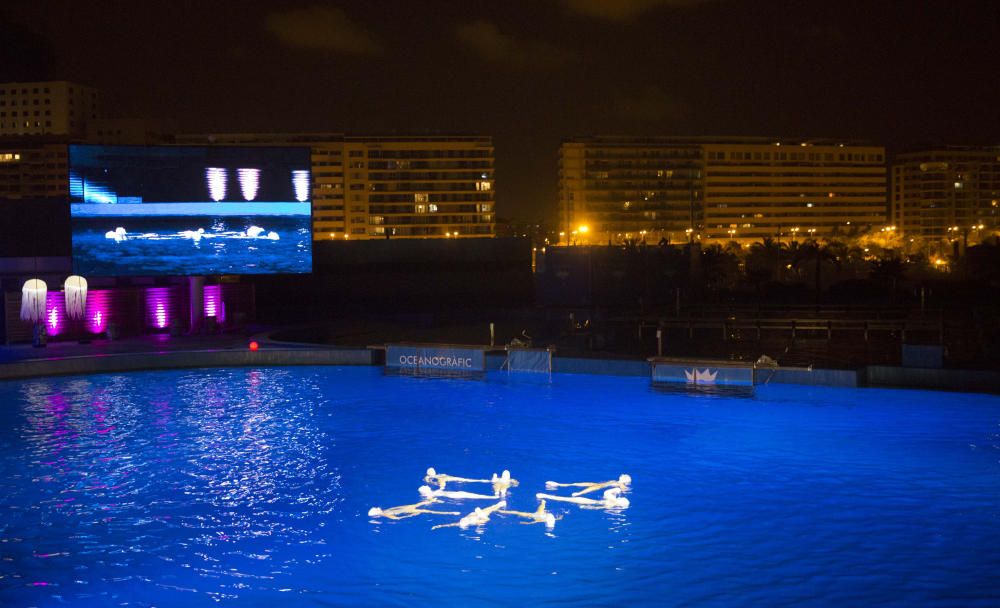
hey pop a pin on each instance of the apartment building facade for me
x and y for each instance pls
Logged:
(946, 193)
(50, 108)
(718, 188)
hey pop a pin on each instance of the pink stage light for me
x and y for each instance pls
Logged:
(216, 179)
(158, 307)
(98, 311)
(249, 182)
(213, 305)
(55, 313)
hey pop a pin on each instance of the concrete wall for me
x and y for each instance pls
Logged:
(183, 359)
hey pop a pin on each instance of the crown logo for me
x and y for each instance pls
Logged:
(696, 377)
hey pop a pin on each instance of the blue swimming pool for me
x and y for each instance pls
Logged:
(252, 486)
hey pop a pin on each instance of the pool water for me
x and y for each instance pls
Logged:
(252, 486)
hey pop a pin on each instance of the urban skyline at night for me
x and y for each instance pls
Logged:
(530, 74)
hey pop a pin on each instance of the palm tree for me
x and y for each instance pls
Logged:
(813, 252)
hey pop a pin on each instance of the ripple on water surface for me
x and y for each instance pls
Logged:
(253, 486)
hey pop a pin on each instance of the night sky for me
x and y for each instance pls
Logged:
(529, 72)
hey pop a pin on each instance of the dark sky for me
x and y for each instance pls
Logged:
(529, 72)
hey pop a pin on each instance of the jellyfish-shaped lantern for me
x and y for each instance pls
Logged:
(33, 295)
(75, 290)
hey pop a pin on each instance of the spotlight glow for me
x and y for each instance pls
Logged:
(249, 182)
(216, 179)
(98, 309)
(213, 306)
(300, 181)
(160, 305)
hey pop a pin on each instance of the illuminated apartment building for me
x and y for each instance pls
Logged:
(54, 108)
(716, 188)
(946, 193)
(614, 188)
(33, 171)
(391, 186)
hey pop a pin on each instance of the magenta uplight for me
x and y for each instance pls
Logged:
(213, 304)
(55, 313)
(98, 311)
(159, 307)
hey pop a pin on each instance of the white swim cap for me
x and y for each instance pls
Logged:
(506, 474)
(431, 472)
(625, 479)
(425, 491)
(551, 485)
(374, 512)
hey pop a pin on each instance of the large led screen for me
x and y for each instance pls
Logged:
(182, 210)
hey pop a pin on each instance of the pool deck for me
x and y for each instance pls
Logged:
(165, 352)
(231, 350)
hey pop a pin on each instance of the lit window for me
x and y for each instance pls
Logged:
(420, 197)
(483, 186)
(432, 207)
(420, 208)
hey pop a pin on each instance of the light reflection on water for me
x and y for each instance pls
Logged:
(215, 475)
(247, 486)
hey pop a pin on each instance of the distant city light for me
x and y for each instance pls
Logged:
(584, 229)
(216, 179)
(249, 182)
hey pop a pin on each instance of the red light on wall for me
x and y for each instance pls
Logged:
(254, 346)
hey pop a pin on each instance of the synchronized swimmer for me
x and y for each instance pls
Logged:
(612, 500)
(427, 492)
(404, 511)
(441, 479)
(540, 516)
(503, 483)
(621, 483)
(476, 518)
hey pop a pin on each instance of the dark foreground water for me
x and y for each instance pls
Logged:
(192, 245)
(250, 487)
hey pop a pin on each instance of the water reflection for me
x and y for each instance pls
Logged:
(220, 476)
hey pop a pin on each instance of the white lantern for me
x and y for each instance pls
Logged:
(33, 295)
(75, 290)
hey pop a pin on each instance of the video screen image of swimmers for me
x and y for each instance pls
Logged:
(190, 210)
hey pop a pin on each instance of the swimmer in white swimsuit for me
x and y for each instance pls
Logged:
(621, 483)
(541, 516)
(405, 511)
(441, 479)
(476, 518)
(503, 483)
(612, 500)
(427, 492)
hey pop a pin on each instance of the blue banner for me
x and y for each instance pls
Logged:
(435, 358)
(701, 373)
